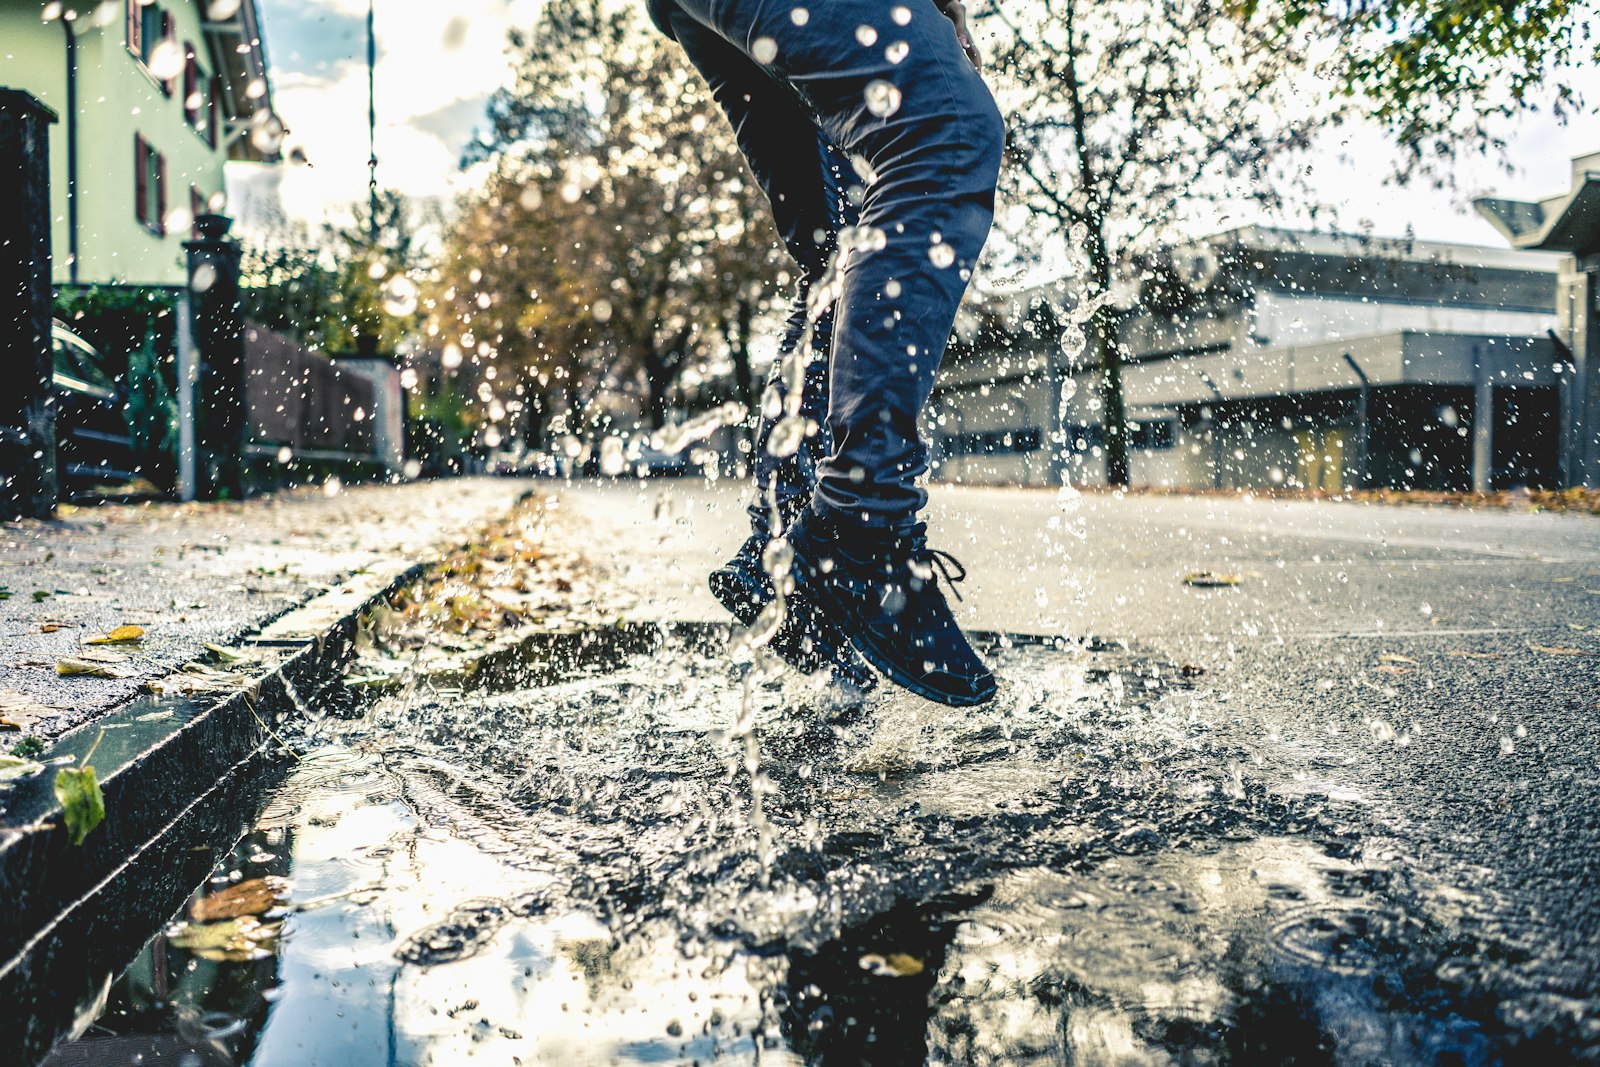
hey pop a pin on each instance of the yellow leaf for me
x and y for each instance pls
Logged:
(254, 897)
(122, 635)
(1558, 651)
(230, 941)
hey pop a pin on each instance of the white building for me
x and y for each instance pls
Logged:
(1297, 359)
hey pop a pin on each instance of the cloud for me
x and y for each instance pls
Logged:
(437, 67)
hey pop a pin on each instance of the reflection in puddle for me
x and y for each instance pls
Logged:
(565, 874)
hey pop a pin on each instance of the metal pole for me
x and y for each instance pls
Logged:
(1216, 429)
(1363, 477)
(372, 128)
(188, 378)
(72, 146)
(219, 335)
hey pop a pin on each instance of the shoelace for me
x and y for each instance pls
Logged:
(936, 558)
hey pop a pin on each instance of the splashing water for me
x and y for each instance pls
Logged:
(674, 439)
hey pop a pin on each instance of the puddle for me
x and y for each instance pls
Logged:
(564, 872)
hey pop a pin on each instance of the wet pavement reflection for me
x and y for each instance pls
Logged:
(567, 872)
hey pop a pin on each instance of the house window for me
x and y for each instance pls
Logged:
(148, 25)
(149, 187)
(199, 97)
(1155, 436)
(193, 98)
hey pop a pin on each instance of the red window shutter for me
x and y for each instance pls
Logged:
(161, 194)
(191, 85)
(135, 19)
(141, 170)
(213, 106)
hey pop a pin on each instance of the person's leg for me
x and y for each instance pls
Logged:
(801, 174)
(803, 177)
(887, 83)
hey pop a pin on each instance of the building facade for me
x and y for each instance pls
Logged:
(153, 99)
(1569, 223)
(1289, 359)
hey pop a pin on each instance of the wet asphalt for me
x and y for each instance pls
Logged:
(1340, 812)
(1433, 673)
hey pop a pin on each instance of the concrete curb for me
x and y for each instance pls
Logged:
(173, 773)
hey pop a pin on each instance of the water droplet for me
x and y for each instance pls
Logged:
(601, 309)
(203, 278)
(166, 61)
(897, 52)
(266, 133)
(883, 98)
(612, 460)
(941, 255)
(222, 10)
(800, 16)
(901, 15)
(531, 198)
(786, 436)
(285, 454)
(400, 296)
(764, 50)
(867, 36)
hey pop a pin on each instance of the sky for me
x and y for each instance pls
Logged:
(439, 63)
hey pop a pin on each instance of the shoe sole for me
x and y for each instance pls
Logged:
(882, 663)
(743, 603)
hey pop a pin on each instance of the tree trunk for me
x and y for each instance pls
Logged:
(739, 351)
(1103, 331)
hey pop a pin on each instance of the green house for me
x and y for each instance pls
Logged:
(154, 97)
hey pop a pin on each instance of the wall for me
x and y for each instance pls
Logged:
(116, 98)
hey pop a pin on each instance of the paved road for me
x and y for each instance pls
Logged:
(1435, 671)
(1361, 828)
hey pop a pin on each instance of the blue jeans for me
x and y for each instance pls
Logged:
(803, 119)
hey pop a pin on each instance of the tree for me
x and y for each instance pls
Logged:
(618, 240)
(331, 288)
(1436, 71)
(1130, 125)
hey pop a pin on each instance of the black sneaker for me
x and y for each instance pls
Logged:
(804, 641)
(880, 587)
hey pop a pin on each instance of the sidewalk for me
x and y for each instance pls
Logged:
(196, 574)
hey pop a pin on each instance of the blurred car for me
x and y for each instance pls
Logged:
(659, 463)
(93, 446)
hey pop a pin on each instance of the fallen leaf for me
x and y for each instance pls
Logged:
(82, 803)
(122, 635)
(1459, 654)
(1208, 580)
(254, 897)
(14, 767)
(1555, 650)
(19, 711)
(50, 627)
(1191, 670)
(1392, 668)
(195, 679)
(893, 965)
(156, 716)
(68, 667)
(230, 941)
(1395, 657)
